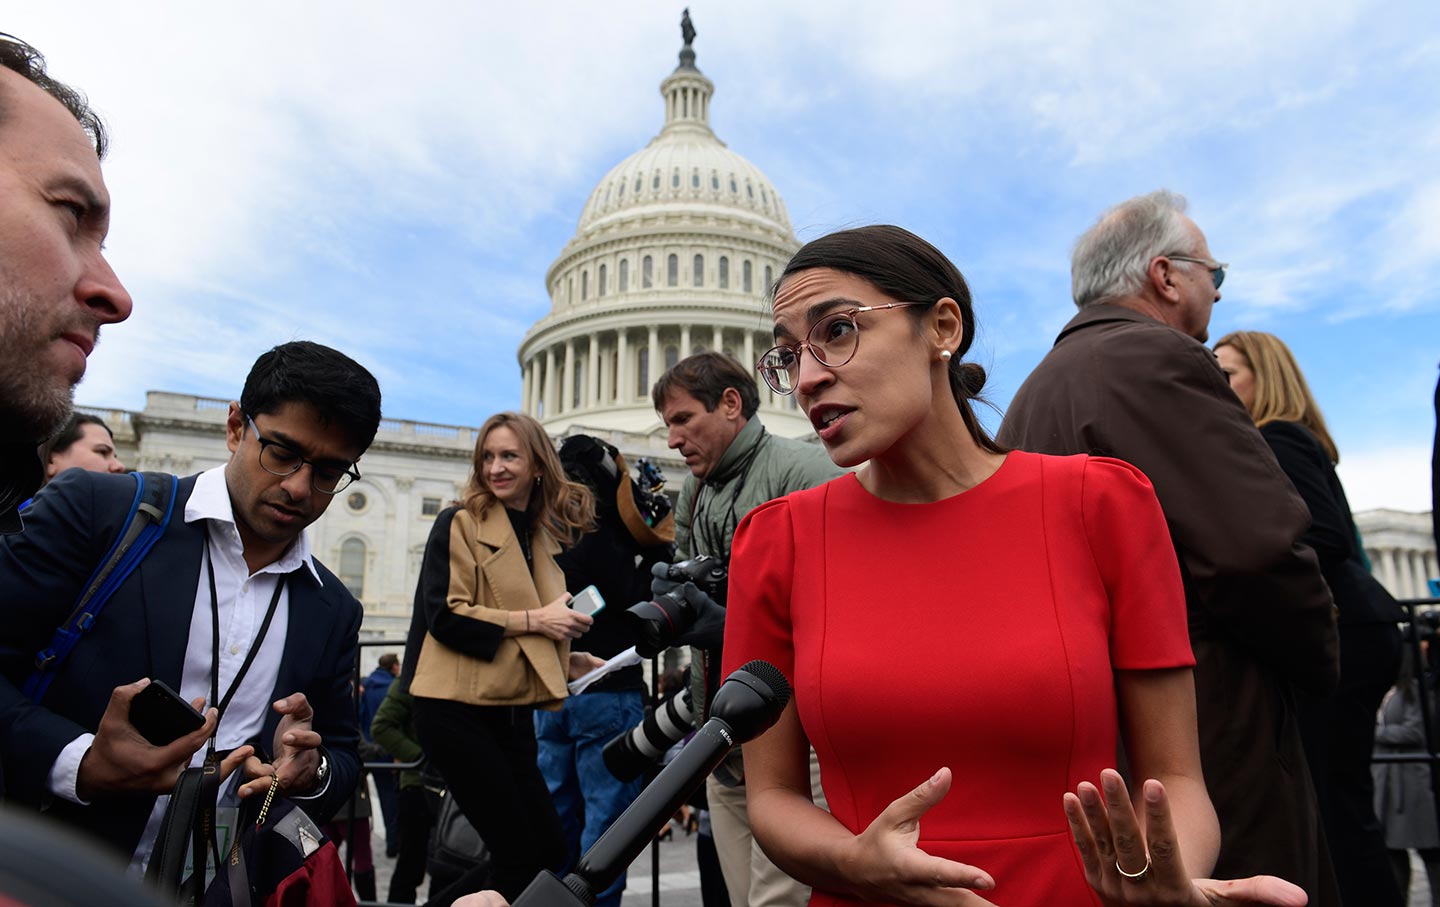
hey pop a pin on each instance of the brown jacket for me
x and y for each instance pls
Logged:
(473, 573)
(1262, 622)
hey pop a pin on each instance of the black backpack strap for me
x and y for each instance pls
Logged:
(149, 515)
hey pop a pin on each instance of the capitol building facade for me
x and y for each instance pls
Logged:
(674, 253)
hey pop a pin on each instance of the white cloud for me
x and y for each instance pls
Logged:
(1397, 478)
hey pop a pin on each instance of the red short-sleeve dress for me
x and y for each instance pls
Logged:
(980, 632)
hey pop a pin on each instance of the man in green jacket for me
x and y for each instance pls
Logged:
(709, 404)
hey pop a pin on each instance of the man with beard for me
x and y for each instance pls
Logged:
(229, 608)
(56, 289)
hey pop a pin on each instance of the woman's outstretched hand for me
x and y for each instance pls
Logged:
(1129, 865)
(891, 869)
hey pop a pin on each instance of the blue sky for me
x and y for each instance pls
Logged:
(394, 179)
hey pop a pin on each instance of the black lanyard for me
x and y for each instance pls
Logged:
(215, 700)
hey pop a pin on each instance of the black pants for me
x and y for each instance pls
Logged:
(486, 754)
(1339, 735)
(415, 821)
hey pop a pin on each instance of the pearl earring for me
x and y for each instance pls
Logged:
(945, 355)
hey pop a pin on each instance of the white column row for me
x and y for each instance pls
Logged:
(1405, 571)
(597, 373)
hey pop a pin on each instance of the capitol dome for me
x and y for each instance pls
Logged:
(673, 254)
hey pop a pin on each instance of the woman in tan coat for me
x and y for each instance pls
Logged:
(490, 642)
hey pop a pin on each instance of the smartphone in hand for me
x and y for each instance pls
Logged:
(161, 716)
(588, 601)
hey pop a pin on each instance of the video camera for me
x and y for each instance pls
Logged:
(660, 621)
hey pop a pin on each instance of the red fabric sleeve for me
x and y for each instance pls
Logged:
(757, 620)
(1136, 559)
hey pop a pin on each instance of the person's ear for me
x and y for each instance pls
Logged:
(1161, 274)
(947, 326)
(730, 403)
(234, 426)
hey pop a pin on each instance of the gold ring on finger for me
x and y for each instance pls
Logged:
(1135, 876)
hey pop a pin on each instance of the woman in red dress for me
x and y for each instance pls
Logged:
(985, 624)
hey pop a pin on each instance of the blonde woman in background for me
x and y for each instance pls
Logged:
(490, 642)
(1339, 732)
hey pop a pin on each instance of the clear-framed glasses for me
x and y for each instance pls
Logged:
(280, 459)
(1217, 269)
(832, 341)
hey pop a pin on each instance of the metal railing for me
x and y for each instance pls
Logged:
(1431, 755)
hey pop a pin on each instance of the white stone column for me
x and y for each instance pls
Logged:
(551, 391)
(568, 388)
(749, 360)
(592, 373)
(607, 378)
(1407, 576)
(624, 384)
(684, 340)
(526, 376)
(657, 359)
(717, 338)
(1385, 566)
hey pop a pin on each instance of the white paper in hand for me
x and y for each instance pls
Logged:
(623, 660)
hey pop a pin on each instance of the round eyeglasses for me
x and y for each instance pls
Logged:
(280, 459)
(832, 341)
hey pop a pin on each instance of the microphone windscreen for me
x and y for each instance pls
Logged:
(771, 676)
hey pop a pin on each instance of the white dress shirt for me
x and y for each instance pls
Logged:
(243, 599)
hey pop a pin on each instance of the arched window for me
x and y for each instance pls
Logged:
(624, 275)
(584, 285)
(570, 290)
(769, 278)
(647, 272)
(732, 184)
(639, 182)
(699, 276)
(746, 279)
(603, 281)
(622, 189)
(352, 566)
(672, 355)
(642, 371)
(695, 178)
(750, 191)
(656, 183)
(714, 181)
(675, 179)
(724, 273)
(672, 271)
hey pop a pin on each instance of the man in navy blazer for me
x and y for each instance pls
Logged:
(234, 549)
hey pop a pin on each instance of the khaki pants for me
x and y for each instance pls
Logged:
(752, 879)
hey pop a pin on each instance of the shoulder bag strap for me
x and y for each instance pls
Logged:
(149, 515)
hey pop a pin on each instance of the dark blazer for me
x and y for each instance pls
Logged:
(1359, 596)
(1121, 384)
(143, 632)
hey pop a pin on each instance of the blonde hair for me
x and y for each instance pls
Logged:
(1281, 394)
(565, 508)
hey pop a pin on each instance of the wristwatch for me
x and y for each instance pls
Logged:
(322, 771)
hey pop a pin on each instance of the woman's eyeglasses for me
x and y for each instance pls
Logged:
(832, 341)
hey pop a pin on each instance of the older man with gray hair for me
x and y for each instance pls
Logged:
(1129, 377)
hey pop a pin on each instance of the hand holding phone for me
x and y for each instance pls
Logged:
(589, 602)
(161, 716)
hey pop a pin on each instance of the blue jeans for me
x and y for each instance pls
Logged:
(570, 744)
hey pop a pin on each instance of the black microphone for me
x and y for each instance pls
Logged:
(747, 703)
